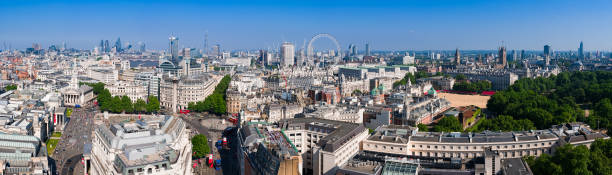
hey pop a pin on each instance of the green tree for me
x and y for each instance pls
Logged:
(116, 106)
(104, 100)
(422, 127)
(448, 124)
(576, 160)
(544, 165)
(505, 123)
(200, 146)
(460, 77)
(153, 104)
(126, 104)
(603, 145)
(97, 87)
(214, 103)
(140, 106)
(10, 87)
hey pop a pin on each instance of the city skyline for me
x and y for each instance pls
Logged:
(391, 25)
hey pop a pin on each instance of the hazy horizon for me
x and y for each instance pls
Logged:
(389, 25)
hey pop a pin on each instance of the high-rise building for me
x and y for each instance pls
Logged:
(102, 49)
(457, 57)
(118, 45)
(354, 51)
(523, 54)
(367, 49)
(206, 43)
(216, 50)
(287, 52)
(547, 51)
(502, 56)
(174, 50)
(143, 47)
(106, 46)
(581, 51)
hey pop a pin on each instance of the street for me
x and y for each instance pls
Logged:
(196, 126)
(69, 150)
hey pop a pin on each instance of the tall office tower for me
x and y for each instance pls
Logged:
(216, 50)
(287, 52)
(142, 46)
(118, 45)
(457, 57)
(106, 46)
(514, 55)
(581, 51)
(174, 50)
(102, 46)
(547, 51)
(367, 49)
(502, 56)
(354, 50)
(64, 46)
(206, 43)
(522, 54)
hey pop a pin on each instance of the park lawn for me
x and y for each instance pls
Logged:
(56, 134)
(51, 144)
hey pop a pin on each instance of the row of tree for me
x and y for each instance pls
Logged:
(118, 104)
(575, 160)
(413, 77)
(214, 103)
(477, 86)
(503, 123)
(558, 99)
(500, 123)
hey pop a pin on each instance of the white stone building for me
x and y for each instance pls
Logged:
(177, 92)
(132, 90)
(155, 145)
(323, 144)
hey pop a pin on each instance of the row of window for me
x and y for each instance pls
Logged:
(472, 155)
(524, 145)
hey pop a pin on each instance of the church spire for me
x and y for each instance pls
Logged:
(74, 82)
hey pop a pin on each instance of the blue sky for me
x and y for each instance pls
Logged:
(386, 25)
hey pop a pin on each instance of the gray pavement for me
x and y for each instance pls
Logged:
(69, 150)
(212, 128)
